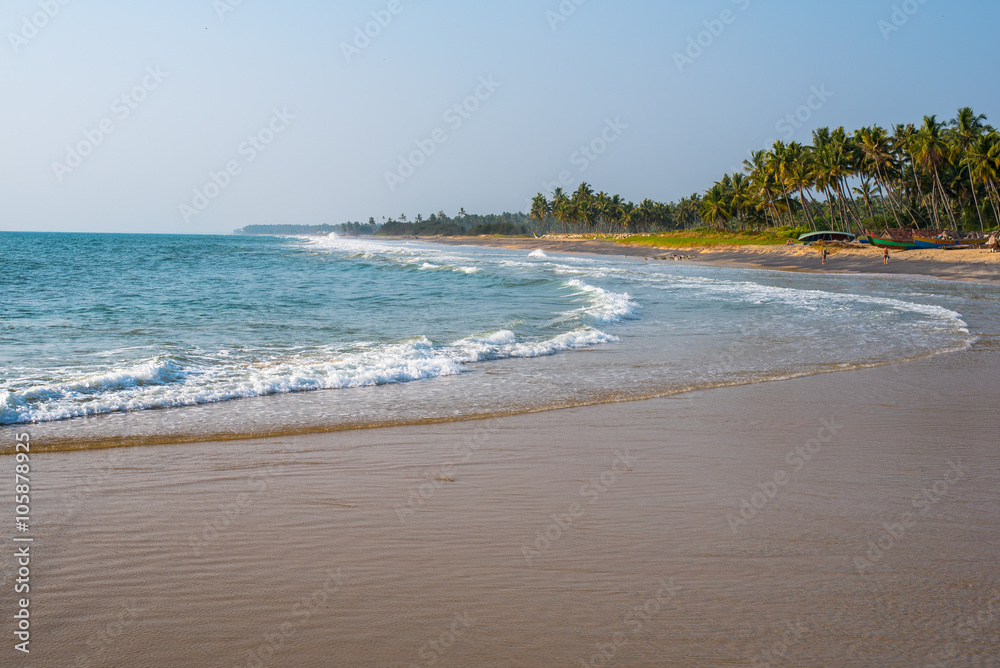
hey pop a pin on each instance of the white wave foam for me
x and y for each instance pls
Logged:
(817, 300)
(606, 306)
(538, 253)
(161, 383)
(504, 344)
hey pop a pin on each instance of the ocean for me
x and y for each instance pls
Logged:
(158, 338)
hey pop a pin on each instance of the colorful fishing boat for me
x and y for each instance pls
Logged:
(892, 243)
(924, 242)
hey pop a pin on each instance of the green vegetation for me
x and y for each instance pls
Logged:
(937, 176)
(498, 229)
(932, 177)
(422, 229)
(702, 237)
(585, 211)
(464, 224)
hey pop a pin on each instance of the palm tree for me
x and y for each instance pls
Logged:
(798, 173)
(778, 163)
(740, 199)
(584, 192)
(613, 211)
(762, 182)
(904, 141)
(628, 211)
(825, 169)
(878, 157)
(847, 158)
(932, 151)
(967, 129)
(540, 209)
(713, 207)
(983, 164)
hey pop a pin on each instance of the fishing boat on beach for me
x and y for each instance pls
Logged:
(924, 242)
(892, 243)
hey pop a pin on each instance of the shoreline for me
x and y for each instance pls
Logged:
(46, 444)
(145, 427)
(471, 521)
(960, 264)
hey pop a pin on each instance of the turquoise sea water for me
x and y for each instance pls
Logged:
(115, 324)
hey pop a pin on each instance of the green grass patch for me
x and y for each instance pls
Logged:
(707, 237)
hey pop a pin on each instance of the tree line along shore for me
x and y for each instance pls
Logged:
(940, 176)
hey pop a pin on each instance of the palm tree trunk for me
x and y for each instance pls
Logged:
(920, 190)
(841, 185)
(829, 203)
(994, 199)
(975, 198)
(944, 199)
(878, 182)
(805, 209)
(849, 202)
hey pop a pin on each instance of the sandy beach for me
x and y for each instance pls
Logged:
(976, 264)
(847, 519)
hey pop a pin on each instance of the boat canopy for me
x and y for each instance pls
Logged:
(827, 235)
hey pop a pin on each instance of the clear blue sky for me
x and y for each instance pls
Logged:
(678, 129)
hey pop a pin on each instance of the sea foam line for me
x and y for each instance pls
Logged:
(161, 383)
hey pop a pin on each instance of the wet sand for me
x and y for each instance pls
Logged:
(607, 535)
(960, 264)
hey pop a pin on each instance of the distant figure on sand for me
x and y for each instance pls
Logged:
(824, 256)
(885, 256)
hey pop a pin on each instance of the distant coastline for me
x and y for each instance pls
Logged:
(971, 264)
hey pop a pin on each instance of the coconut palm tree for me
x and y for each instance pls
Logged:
(740, 199)
(931, 150)
(540, 209)
(878, 158)
(984, 168)
(967, 128)
(615, 211)
(762, 183)
(798, 172)
(713, 207)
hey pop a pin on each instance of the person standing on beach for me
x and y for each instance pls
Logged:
(885, 256)
(824, 256)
